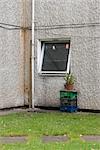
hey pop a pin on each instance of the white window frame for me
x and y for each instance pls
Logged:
(40, 54)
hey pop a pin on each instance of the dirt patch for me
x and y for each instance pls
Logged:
(47, 139)
(13, 139)
(95, 138)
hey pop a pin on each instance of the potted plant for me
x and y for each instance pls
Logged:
(70, 80)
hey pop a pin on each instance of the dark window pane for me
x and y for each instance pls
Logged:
(55, 57)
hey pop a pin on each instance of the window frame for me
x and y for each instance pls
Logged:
(40, 55)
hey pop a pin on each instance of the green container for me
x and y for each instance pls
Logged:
(69, 95)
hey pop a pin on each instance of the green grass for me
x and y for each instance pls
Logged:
(34, 125)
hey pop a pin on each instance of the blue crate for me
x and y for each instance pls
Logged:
(63, 108)
(68, 108)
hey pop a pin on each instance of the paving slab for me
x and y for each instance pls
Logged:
(14, 139)
(59, 138)
(95, 138)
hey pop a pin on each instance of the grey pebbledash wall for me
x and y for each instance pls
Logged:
(15, 51)
(85, 49)
(14, 72)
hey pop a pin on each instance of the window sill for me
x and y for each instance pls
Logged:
(52, 74)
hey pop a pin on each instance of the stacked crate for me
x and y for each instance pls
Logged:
(68, 101)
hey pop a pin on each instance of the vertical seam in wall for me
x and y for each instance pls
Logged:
(26, 36)
(23, 24)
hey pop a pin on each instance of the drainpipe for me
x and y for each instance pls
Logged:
(32, 59)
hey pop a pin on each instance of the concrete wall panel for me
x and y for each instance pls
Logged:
(85, 47)
(14, 69)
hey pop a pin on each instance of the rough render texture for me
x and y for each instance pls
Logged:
(12, 55)
(85, 49)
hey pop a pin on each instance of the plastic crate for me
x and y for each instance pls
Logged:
(69, 108)
(65, 102)
(69, 95)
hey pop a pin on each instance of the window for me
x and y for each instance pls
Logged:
(53, 57)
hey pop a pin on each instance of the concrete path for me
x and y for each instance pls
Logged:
(17, 110)
(10, 111)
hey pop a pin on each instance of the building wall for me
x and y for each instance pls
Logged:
(13, 71)
(85, 49)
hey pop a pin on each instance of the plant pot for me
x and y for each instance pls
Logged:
(69, 86)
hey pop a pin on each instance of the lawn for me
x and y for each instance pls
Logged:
(35, 125)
